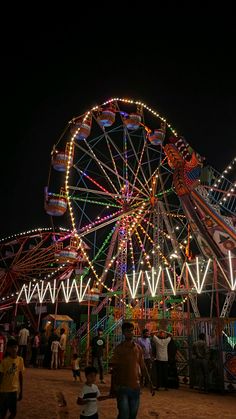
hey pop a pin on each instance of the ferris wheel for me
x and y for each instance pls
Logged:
(139, 204)
(117, 186)
(32, 256)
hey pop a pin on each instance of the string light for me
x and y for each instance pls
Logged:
(223, 186)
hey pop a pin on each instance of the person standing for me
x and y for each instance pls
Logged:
(48, 352)
(2, 343)
(35, 349)
(55, 347)
(98, 345)
(127, 366)
(23, 341)
(11, 380)
(161, 341)
(173, 378)
(75, 345)
(42, 348)
(62, 348)
(89, 395)
(145, 343)
(76, 367)
(200, 356)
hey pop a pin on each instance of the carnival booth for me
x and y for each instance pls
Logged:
(54, 323)
(58, 321)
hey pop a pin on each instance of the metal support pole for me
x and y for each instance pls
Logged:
(39, 317)
(88, 330)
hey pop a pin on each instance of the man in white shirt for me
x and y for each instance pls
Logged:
(62, 347)
(161, 340)
(23, 340)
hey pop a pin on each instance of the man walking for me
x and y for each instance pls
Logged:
(127, 365)
(98, 345)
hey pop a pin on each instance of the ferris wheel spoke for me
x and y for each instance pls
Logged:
(101, 166)
(113, 160)
(96, 192)
(92, 180)
(109, 258)
(83, 215)
(139, 168)
(113, 172)
(128, 168)
(139, 160)
(98, 221)
(18, 253)
(149, 164)
(101, 249)
(36, 253)
(106, 223)
(33, 250)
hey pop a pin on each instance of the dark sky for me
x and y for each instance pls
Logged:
(184, 67)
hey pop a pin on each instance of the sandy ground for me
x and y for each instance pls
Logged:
(40, 387)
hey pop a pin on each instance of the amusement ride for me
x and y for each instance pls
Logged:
(142, 206)
(152, 225)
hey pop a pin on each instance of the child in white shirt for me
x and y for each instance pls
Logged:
(89, 395)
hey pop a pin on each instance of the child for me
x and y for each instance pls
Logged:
(75, 345)
(11, 380)
(54, 348)
(76, 368)
(89, 395)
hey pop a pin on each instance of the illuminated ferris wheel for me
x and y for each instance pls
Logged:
(118, 190)
(32, 256)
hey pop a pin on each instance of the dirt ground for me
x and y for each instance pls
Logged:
(40, 387)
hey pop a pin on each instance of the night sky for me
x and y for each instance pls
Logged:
(181, 67)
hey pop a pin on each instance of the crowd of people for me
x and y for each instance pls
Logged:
(152, 354)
